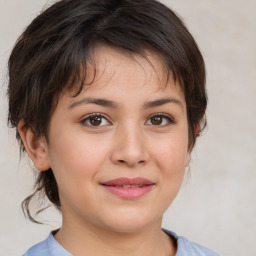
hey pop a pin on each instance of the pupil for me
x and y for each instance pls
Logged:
(95, 121)
(156, 120)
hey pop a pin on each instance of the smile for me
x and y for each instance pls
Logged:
(128, 188)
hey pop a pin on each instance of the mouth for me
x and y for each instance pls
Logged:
(128, 188)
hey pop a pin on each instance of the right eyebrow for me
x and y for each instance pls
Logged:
(97, 101)
(160, 102)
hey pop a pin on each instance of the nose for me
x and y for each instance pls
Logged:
(130, 148)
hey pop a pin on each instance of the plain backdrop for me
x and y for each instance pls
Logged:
(216, 206)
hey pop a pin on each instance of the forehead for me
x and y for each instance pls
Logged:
(105, 64)
(110, 69)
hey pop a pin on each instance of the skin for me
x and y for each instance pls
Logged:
(127, 141)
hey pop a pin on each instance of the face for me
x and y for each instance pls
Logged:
(119, 149)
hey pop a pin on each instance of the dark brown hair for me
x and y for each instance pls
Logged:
(48, 57)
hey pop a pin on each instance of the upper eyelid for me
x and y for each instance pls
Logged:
(95, 114)
(162, 114)
(84, 118)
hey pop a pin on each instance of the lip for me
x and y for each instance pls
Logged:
(128, 188)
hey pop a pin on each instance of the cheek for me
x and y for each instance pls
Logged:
(75, 162)
(172, 153)
(76, 159)
(171, 160)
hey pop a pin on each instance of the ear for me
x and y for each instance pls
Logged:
(188, 158)
(36, 147)
(196, 130)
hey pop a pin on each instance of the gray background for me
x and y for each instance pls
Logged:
(216, 206)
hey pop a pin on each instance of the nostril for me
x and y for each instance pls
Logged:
(123, 161)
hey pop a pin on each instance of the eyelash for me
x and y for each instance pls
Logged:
(169, 119)
(88, 117)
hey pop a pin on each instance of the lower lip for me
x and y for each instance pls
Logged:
(129, 193)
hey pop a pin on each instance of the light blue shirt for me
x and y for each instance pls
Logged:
(50, 247)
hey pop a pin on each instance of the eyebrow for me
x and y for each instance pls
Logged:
(112, 104)
(97, 101)
(160, 102)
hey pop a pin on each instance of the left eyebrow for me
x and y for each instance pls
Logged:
(160, 102)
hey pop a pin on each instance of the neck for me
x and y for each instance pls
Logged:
(80, 239)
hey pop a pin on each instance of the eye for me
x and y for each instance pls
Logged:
(160, 120)
(95, 120)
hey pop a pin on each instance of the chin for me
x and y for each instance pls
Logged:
(130, 222)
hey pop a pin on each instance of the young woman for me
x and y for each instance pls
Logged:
(108, 98)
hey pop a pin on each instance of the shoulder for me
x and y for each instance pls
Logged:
(48, 247)
(39, 249)
(187, 248)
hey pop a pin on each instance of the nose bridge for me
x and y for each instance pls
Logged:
(133, 139)
(130, 147)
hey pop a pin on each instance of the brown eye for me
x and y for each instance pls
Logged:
(156, 120)
(160, 120)
(95, 120)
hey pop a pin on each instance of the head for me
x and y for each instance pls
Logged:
(53, 55)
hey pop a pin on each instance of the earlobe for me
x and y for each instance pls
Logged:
(35, 146)
(187, 162)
